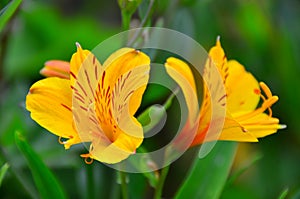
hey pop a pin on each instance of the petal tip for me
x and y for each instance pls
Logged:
(218, 43)
(78, 45)
(282, 126)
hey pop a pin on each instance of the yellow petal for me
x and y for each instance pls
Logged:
(76, 61)
(233, 131)
(124, 98)
(242, 89)
(115, 152)
(182, 68)
(84, 96)
(56, 68)
(217, 54)
(121, 62)
(213, 108)
(262, 125)
(183, 76)
(49, 102)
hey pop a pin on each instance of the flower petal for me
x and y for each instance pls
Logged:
(115, 152)
(262, 125)
(49, 102)
(233, 131)
(242, 89)
(183, 76)
(76, 61)
(121, 62)
(217, 54)
(123, 132)
(56, 68)
(84, 96)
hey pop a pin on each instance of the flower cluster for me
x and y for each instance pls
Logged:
(86, 101)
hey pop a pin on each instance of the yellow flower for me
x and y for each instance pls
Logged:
(244, 121)
(96, 104)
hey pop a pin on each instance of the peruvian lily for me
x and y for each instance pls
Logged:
(84, 101)
(244, 121)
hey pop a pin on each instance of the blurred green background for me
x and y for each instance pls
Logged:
(262, 35)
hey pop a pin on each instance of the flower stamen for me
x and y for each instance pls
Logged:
(60, 140)
(268, 101)
(87, 158)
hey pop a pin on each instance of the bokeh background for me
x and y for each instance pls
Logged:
(262, 35)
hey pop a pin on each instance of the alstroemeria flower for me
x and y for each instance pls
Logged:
(96, 104)
(244, 121)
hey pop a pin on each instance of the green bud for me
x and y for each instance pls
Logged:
(129, 6)
(151, 117)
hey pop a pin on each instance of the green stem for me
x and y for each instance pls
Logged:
(126, 17)
(161, 182)
(145, 19)
(123, 185)
(168, 102)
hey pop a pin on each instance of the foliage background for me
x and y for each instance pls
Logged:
(262, 35)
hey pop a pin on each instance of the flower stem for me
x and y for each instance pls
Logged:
(161, 181)
(168, 102)
(123, 185)
(126, 17)
(145, 19)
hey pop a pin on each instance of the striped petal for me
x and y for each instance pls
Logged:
(49, 102)
(76, 61)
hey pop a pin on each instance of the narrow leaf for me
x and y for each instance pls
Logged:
(240, 171)
(3, 171)
(45, 181)
(208, 176)
(283, 194)
(7, 12)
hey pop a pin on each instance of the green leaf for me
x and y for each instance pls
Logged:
(296, 195)
(45, 181)
(137, 186)
(283, 194)
(183, 21)
(241, 170)
(7, 12)
(208, 175)
(3, 171)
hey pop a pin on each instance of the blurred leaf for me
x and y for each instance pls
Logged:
(3, 171)
(208, 175)
(146, 163)
(239, 172)
(296, 195)
(44, 34)
(183, 21)
(44, 179)
(283, 194)
(12, 115)
(188, 2)
(142, 10)
(7, 12)
(137, 186)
